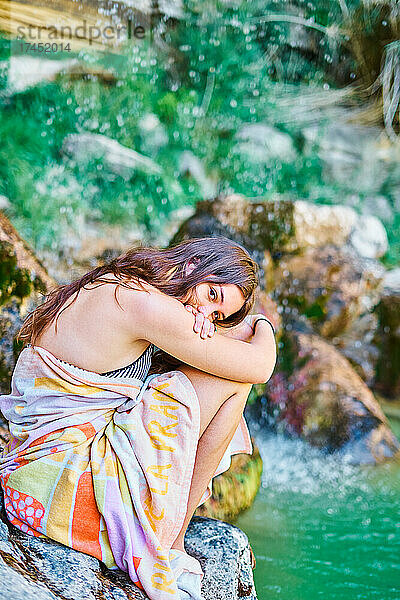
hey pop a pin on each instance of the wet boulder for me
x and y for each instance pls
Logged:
(124, 161)
(23, 281)
(316, 395)
(358, 344)
(387, 374)
(280, 225)
(331, 286)
(41, 569)
(260, 143)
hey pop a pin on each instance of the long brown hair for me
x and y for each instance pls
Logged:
(216, 259)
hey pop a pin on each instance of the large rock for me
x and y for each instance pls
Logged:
(318, 225)
(318, 396)
(226, 559)
(331, 286)
(261, 144)
(281, 226)
(123, 161)
(358, 344)
(41, 569)
(23, 280)
(387, 376)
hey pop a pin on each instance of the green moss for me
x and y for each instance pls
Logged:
(315, 311)
(167, 107)
(288, 359)
(234, 490)
(13, 280)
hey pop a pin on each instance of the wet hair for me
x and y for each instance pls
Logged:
(215, 259)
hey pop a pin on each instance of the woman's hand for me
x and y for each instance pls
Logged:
(244, 331)
(202, 324)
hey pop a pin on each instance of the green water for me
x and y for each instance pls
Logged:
(321, 528)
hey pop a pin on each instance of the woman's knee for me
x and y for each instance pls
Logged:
(223, 388)
(213, 392)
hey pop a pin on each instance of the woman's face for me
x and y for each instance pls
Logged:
(217, 300)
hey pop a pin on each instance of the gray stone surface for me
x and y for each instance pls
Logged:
(118, 158)
(38, 569)
(261, 143)
(369, 237)
(224, 554)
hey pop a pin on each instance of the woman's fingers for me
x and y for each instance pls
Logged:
(192, 310)
(202, 324)
(211, 329)
(208, 328)
(199, 320)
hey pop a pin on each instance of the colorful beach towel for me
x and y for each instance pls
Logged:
(104, 465)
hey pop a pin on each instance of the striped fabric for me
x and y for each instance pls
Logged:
(138, 369)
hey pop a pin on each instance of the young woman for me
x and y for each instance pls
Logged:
(108, 459)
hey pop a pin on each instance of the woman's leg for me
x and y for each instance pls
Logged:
(221, 406)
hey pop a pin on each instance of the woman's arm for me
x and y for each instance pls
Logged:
(164, 321)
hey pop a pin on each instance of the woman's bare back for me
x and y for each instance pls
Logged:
(92, 332)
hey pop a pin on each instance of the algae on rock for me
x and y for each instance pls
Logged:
(234, 490)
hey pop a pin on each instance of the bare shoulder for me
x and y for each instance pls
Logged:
(148, 303)
(141, 303)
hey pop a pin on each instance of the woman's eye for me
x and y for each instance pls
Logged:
(213, 294)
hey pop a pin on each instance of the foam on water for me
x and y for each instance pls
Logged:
(293, 465)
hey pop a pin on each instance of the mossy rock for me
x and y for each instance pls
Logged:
(13, 280)
(267, 225)
(315, 394)
(234, 490)
(387, 373)
(330, 286)
(23, 281)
